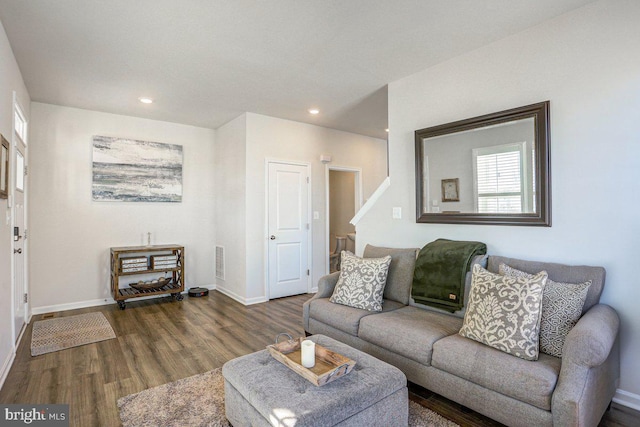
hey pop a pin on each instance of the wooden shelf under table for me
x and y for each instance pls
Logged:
(131, 292)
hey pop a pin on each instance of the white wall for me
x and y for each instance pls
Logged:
(10, 81)
(230, 217)
(587, 64)
(269, 137)
(70, 234)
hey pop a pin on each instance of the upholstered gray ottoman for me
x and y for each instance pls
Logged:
(260, 391)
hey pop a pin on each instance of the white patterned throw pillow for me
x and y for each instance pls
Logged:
(504, 312)
(561, 309)
(361, 282)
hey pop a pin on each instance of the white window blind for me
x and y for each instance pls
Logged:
(499, 179)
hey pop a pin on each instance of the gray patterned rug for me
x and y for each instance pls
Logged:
(199, 401)
(65, 332)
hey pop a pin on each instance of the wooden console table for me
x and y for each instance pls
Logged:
(174, 287)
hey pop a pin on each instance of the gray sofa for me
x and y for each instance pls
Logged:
(574, 390)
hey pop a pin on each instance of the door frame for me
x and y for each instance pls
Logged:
(25, 244)
(267, 162)
(357, 202)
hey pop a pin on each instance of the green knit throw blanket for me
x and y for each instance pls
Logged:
(441, 270)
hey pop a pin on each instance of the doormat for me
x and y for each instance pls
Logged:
(199, 401)
(72, 331)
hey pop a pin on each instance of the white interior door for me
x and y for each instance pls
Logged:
(19, 246)
(288, 228)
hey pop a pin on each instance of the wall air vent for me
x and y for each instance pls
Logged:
(220, 262)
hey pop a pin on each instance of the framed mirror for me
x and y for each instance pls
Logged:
(492, 169)
(4, 169)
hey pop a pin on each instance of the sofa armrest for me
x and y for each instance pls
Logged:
(326, 285)
(590, 341)
(590, 369)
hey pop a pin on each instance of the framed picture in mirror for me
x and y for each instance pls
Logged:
(450, 190)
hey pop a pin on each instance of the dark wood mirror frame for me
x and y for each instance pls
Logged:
(4, 167)
(542, 173)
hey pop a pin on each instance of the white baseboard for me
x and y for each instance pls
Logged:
(96, 303)
(72, 305)
(242, 300)
(627, 399)
(6, 366)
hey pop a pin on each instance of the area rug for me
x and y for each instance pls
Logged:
(65, 332)
(199, 401)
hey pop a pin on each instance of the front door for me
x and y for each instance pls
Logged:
(288, 226)
(19, 246)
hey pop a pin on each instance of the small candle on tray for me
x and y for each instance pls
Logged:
(308, 349)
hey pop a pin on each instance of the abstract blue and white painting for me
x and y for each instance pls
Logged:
(128, 170)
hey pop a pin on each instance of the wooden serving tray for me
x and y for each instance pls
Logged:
(329, 365)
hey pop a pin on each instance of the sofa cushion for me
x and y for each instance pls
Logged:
(532, 382)
(408, 331)
(361, 282)
(561, 309)
(400, 276)
(504, 312)
(342, 317)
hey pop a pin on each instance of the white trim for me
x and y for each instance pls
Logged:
(357, 202)
(98, 302)
(265, 258)
(74, 305)
(371, 201)
(22, 331)
(6, 366)
(242, 300)
(628, 399)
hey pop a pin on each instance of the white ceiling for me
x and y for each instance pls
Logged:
(206, 62)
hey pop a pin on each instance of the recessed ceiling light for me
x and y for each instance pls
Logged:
(145, 100)
(313, 111)
(387, 130)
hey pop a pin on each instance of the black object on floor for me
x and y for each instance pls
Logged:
(198, 292)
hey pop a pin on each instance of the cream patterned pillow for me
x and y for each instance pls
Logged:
(504, 312)
(361, 282)
(561, 309)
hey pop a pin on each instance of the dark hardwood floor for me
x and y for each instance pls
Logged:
(159, 341)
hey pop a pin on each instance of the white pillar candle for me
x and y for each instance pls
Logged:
(308, 353)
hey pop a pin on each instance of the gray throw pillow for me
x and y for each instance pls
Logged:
(361, 282)
(561, 309)
(504, 312)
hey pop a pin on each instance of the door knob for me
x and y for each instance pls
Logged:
(272, 237)
(17, 251)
